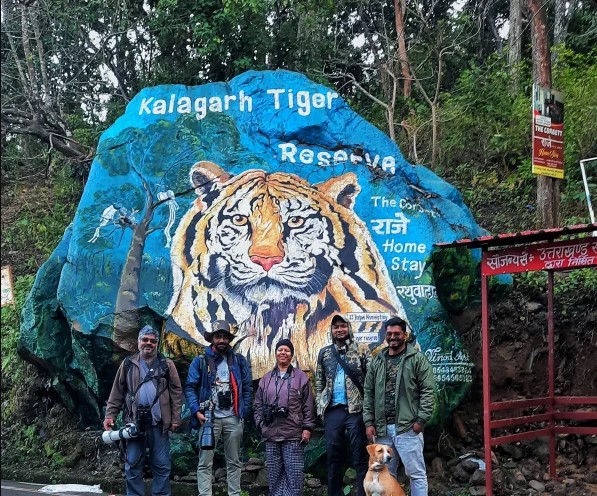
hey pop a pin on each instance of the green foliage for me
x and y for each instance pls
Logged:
(17, 375)
(570, 288)
(13, 368)
(485, 122)
(25, 443)
(575, 74)
(41, 219)
(486, 147)
(53, 454)
(454, 273)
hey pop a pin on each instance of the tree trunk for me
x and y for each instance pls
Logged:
(548, 194)
(402, 53)
(434, 143)
(391, 127)
(514, 40)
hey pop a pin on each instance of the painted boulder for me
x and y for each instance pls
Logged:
(266, 202)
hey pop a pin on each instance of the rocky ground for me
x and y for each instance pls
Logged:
(519, 469)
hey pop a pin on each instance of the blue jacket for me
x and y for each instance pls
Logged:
(197, 390)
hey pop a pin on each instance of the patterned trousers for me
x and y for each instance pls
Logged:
(285, 467)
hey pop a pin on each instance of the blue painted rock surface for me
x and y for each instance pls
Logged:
(265, 201)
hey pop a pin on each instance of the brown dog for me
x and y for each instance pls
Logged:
(379, 481)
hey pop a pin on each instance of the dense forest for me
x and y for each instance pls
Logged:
(450, 82)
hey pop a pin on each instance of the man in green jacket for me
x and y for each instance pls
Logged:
(399, 400)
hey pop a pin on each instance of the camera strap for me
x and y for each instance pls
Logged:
(163, 364)
(347, 370)
(286, 377)
(148, 377)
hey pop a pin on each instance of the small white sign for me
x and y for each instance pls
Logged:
(542, 120)
(366, 337)
(8, 297)
(367, 317)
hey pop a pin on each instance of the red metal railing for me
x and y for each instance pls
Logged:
(525, 252)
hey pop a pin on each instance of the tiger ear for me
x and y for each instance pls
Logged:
(204, 176)
(343, 189)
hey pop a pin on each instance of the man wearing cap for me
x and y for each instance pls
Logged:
(339, 378)
(220, 380)
(148, 386)
(399, 401)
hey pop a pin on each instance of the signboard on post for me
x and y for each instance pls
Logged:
(561, 255)
(8, 294)
(548, 132)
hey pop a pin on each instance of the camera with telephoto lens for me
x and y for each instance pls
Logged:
(271, 412)
(127, 432)
(144, 418)
(224, 399)
(207, 439)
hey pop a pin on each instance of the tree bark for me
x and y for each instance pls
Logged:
(34, 112)
(548, 188)
(399, 11)
(514, 40)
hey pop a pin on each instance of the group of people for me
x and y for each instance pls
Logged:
(385, 399)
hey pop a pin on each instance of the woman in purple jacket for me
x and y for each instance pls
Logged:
(285, 413)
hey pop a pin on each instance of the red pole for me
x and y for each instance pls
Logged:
(486, 384)
(550, 368)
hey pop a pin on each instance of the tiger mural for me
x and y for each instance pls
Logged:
(278, 257)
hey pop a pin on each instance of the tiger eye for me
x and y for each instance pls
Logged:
(239, 220)
(296, 221)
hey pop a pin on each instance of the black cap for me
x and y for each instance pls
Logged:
(286, 342)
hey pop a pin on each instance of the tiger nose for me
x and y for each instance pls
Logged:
(266, 262)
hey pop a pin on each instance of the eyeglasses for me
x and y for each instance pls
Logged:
(149, 340)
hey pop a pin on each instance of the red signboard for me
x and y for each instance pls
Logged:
(548, 132)
(557, 256)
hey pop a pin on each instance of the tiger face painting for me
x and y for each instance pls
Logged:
(278, 257)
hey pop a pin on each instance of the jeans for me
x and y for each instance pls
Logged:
(339, 427)
(158, 443)
(409, 447)
(231, 429)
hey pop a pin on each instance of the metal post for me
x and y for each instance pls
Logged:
(586, 183)
(486, 385)
(550, 368)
